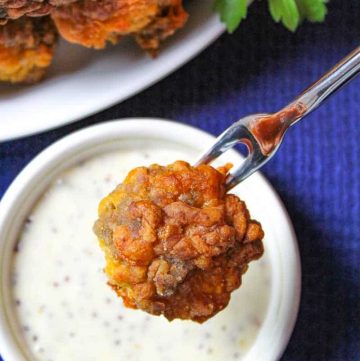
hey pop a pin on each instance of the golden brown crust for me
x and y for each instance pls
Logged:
(26, 49)
(14, 9)
(169, 19)
(94, 23)
(175, 243)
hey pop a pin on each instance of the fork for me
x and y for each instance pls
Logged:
(263, 133)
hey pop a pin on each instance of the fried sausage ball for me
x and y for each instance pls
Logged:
(26, 49)
(94, 23)
(175, 243)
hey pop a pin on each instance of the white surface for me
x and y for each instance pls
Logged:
(83, 81)
(280, 242)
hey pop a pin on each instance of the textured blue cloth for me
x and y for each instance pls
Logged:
(317, 171)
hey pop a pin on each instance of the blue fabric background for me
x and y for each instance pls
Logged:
(317, 171)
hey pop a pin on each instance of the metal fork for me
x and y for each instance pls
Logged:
(263, 133)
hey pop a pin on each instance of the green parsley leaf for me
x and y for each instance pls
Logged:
(288, 12)
(231, 12)
(312, 10)
(285, 11)
(292, 12)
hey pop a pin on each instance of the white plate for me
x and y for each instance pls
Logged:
(82, 82)
(263, 202)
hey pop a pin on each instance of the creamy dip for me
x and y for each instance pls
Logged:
(64, 308)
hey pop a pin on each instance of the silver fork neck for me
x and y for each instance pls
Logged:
(330, 82)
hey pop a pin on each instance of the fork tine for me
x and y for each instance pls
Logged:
(237, 133)
(251, 164)
(227, 140)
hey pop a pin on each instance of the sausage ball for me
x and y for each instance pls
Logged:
(175, 243)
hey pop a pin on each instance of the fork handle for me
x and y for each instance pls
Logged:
(334, 79)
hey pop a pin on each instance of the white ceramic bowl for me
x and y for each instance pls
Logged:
(264, 204)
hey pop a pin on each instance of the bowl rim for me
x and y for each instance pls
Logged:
(86, 139)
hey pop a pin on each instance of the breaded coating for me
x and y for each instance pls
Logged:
(26, 49)
(94, 23)
(175, 243)
(14, 9)
(169, 19)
